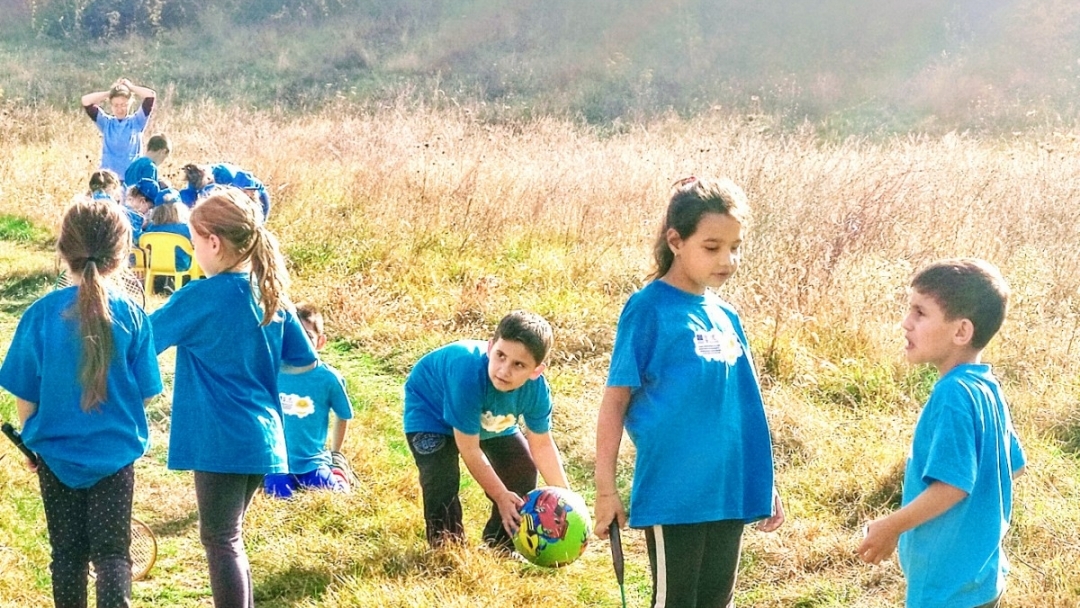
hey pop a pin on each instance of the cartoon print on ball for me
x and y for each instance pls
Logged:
(555, 527)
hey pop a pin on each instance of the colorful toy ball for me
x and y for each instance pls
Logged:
(555, 527)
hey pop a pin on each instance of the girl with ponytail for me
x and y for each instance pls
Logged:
(82, 366)
(232, 332)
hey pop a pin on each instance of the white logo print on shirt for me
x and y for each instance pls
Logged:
(296, 405)
(717, 345)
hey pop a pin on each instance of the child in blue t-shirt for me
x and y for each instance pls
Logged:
(104, 185)
(200, 183)
(683, 385)
(957, 498)
(226, 174)
(232, 331)
(465, 398)
(308, 395)
(146, 166)
(82, 367)
(121, 131)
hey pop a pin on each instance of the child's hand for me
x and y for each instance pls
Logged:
(510, 505)
(608, 508)
(31, 465)
(772, 523)
(879, 542)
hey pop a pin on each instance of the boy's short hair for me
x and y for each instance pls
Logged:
(967, 288)
(528, 328)
(158, 141)
(310, 314)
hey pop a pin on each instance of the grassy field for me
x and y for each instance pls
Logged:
(412, 227)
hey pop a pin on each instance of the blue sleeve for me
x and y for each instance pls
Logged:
(537, 414)
(296, 349)
(630, 356)
(339, 398)
(950, 450)
(1016, 452)
(177, 319)
(143, 359)
(20, 373)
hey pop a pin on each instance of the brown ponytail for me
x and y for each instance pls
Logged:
(237, 221)
(94, 241)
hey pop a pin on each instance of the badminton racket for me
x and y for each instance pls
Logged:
(617, 557)
(16, 438)
(125, 280)
(143, 541)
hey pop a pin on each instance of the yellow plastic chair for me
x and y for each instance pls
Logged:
(160, 250)
(138, 261)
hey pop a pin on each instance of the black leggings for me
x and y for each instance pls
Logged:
(694, 565)
(223, 499)
(89, 525)
(436, 458)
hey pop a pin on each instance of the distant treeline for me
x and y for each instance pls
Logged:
(846, 65)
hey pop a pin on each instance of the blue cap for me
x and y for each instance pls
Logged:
(224, 173)
(246, 181)
(166, 197)
(148, 188)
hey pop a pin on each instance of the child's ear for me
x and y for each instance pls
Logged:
(536, 372)
(320, 342)
(674, 241)
(965, 332)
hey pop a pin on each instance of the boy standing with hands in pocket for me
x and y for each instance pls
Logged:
(957, 498)
(466, 397)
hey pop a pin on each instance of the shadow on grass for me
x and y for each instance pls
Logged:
(1067, 434)
(19, 290)
(176, 527)
(864, 505)
(292, 586)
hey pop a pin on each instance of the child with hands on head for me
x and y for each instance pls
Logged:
(683, 386)
(965, 452)
(82, 367)
(465, 398)
(233, 332)
(121, 131)
(308, 395)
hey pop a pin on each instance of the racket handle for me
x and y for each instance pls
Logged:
(16, 438)
(616, 549)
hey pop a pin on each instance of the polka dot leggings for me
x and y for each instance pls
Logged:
(89, 525)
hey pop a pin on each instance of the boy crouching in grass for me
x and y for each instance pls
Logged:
(466, 398)
(957, 498)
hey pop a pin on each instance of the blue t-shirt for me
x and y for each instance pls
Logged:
(189, 195)
(136, 220)
(140, 168)
(449, 389)
(307, 399)
(121, 139)
(226, 415)
(696, 415)
(182, 260)
(42, 367)
(964, 438)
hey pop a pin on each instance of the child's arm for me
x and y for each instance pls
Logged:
(609, 431)
(883, 534)
(142, 92)
(546, 456)
(508, 502)
(95, 98)
(25, 409)
(337, 440)
(773, 523)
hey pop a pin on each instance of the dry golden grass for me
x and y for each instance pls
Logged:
(413, 227)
